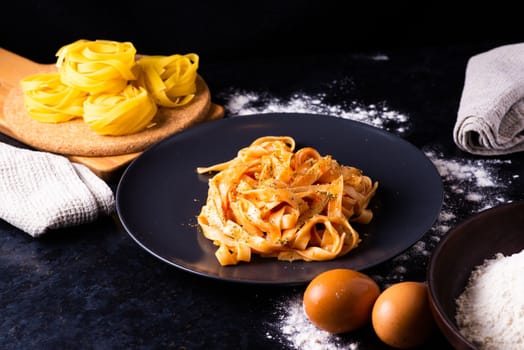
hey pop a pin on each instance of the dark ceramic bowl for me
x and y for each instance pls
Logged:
(499, 229)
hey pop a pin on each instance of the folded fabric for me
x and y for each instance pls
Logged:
(41, 191)
(490, 118)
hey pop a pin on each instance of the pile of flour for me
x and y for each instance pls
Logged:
(490, 311)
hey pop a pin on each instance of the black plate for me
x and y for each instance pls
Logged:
(160, 193)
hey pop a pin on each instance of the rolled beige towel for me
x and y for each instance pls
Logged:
(490, 119)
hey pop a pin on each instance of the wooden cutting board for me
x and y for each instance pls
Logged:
(104, 161)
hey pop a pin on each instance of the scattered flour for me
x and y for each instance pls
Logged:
(479, 182)
(297, 331)
(469, 185)
(490, 311)
(379, 115)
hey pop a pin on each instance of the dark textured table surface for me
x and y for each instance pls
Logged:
(93, 287)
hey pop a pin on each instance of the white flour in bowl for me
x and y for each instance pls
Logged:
(490, 311)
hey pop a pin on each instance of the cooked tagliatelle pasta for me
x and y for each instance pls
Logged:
(274, 201)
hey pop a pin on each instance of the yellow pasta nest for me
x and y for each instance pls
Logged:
(171, 79)
(102, 82)
(97, 66)
(274, 201)
(48, 100)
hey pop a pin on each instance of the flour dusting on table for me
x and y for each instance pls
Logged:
(477, 184)
(297, 331)
(380, 115)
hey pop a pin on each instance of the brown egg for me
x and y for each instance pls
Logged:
(401, 316)
(340, 300)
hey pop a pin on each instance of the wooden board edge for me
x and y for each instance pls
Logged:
(106, 167)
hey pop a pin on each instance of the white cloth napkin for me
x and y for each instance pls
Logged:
(41, 191)
(490, 118)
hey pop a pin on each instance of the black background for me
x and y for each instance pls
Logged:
(226, 30)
